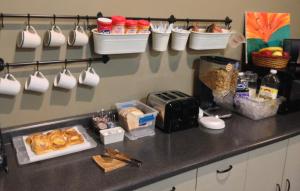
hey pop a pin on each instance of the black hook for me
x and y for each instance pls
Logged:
(99, 15)
(2, 64)
(54, 18)
(149, 19)
(66, 63)
(2, 23)
(187, 22)
(227, 22)
(78, 18)
(37, 65)
(7, 68)
(105, 58)
(172, 19)
(87, 22)
(28, 19)
(90, 62)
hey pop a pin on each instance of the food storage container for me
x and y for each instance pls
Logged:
(104, 25)
(118, 24)
(143, 26)
(112, 135)
(119, 43)
(179, 39)
(160, 40)
(251, 108)
(131, 27)
(145, 123)
(207, 41)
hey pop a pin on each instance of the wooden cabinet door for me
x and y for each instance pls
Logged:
(208, 179)
(181, 182)
(265, 167)
(292, 166)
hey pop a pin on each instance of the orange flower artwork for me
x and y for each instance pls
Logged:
(265, 29)
(263, 25)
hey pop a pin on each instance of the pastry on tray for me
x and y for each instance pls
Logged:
(59, 139)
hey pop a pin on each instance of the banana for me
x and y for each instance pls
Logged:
(271, 49)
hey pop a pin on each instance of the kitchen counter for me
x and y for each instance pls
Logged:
(163, 156)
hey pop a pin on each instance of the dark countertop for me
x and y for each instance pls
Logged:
(163, 155)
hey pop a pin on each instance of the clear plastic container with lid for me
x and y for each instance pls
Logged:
(269, 86)
(118, 24)
(143, 26)
(131, 27)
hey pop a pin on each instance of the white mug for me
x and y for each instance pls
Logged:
(54, 37)
(78, 37)
(65, 80)
(37, 82)
(28, 38)
(9, 85)
(89, 77)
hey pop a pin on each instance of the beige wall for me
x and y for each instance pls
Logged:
(125, 77)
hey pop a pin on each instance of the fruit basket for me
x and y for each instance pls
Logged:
(270, 61)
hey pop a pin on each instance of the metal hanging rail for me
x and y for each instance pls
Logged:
(3, 65)
(170, 19)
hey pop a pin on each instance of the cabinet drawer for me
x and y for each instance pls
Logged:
(226, 175)
(181, 182)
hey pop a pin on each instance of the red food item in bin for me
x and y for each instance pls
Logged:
(104, 25)
(143, 26)
(143, 23)
(130, 23)
(118, 20)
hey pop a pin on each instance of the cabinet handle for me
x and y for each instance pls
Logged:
(288, 183)
(226, 170)
(278, 187)
(173, 188)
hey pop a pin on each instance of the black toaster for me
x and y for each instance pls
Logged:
(177, 110)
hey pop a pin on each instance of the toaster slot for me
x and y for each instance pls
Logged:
(170, 96)
(163, 97)
(179, 94)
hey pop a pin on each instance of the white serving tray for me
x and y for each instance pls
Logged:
(119, 43)
(25, 155)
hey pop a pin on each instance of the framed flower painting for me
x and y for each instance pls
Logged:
(265, 29)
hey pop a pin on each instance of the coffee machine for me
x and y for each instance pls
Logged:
(290, 84)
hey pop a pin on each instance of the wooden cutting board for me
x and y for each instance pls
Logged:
(108, 164)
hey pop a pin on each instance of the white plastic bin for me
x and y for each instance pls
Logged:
(179, 40)
(160, 41)
(146, 122)
(112, 135)
(207, 41)
(119, 43)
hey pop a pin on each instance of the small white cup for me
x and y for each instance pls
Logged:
(65, 80)
(78, 37)
(89, 77)
(37, 82)
(9, 85)
(28, 38)
(54, 37)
